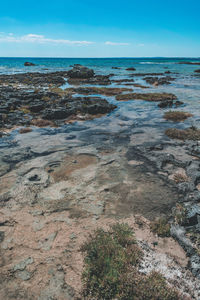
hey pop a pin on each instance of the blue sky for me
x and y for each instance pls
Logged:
(89, 28)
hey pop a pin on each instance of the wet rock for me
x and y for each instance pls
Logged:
(197, 71)
(186, 187)
(188, 63)
(193, 215)
(156, 97)
(97, 80)
(56, 114)
(103, 91)
(170, 104)
(159, 81)
(79, 71)
(34, 79)
(36, 107)
(130, 69)
(29, 64)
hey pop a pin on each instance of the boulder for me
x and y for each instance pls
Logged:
(79, 71)
(130, 69)
(29, 64)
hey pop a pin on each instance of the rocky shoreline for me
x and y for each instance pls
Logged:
(58, 183)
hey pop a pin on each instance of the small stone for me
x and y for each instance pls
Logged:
(22, 265)
(73, 236)
(24, 275)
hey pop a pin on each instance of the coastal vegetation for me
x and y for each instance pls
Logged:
(161, 227)
(111, 268)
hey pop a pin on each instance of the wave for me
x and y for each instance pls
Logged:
(155, 63)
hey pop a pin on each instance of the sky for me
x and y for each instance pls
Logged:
(106, 28)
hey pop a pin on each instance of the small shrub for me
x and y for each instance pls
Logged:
(161, 227)
(137, 286)
(180, 215)
(108, 255)
(177, 116)
(178, 178)
(110, 271)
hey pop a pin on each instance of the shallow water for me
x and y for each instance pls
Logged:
(130, 116)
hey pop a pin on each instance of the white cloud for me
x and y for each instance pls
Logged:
(40, 39)
(140, 45)
(116, 44)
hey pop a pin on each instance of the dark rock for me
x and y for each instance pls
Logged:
(97, 80)
(29, 64)
(197, 71)
(192, 214)
(79, 71)
(2, 235)
(130, 69)
(56, 114)
(159, 81)
(170, 104)
(188, 63)
(36, 107)
(155, 97)
(194, 265)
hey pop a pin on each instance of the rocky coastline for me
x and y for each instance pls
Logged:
(61, 179)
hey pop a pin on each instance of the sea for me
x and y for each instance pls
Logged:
(132, 117)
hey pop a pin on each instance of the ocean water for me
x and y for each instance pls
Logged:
(100, 65)
(142, 119)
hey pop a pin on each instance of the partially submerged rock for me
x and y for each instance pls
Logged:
(29, 64)
(130, 69)
(79, 71)
(155, 97)
(177, 116)
(189, 63)
(96, 79)
(98, 90)
(184, 134)
(170, 104)
(159, 81)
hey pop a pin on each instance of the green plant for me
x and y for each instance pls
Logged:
(108, 255)
(180, 214)
(110, 269)
(161, 227)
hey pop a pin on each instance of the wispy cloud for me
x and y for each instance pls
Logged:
(140, 45)
(40, 39)
(116, 44)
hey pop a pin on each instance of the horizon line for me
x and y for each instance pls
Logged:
(106, 57)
